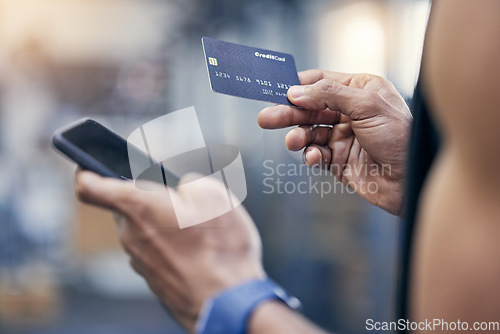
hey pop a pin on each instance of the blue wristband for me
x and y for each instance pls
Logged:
(229, 311)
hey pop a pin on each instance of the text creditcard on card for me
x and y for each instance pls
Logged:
(249, 72)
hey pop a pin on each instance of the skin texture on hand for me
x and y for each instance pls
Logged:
(365, 141)
(183, 267)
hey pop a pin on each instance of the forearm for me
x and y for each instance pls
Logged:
(276, 318)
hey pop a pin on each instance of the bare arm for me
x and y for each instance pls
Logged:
(456, 267)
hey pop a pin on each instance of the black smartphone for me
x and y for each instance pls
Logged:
(96, 148)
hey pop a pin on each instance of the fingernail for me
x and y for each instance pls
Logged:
(305, 158)
(296, 91)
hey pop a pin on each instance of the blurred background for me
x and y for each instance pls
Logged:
(125, 62)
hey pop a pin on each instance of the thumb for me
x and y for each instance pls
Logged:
(353, 102)
(105, 192)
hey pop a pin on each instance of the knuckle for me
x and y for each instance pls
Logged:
(127, 241)
(141, 210)
(378, 79)
(244, 245)
(360, 80)
(147, 233)
(323, 91)
(312, 117)
(82, 191)
(324, 86)
(127, 196)
(132, 201)
(134, 241)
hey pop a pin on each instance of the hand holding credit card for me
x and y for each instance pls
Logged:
(249, 72)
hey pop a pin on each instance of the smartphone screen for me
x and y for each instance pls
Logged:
(103, 145)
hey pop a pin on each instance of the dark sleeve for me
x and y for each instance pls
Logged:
(424, 144)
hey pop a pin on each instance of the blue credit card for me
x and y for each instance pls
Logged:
(249, 72)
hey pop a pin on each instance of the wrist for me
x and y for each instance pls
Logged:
(231, 309)
(273, 317)
(263, 318)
